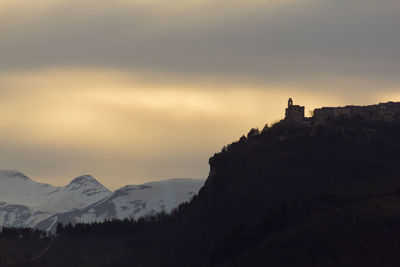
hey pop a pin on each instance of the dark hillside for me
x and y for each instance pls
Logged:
(358, 226)
(288, 163)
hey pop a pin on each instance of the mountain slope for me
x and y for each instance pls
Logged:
(79, 193)
(132, 202)
(146, 199)
(25, 203)
(14, 215)
(17, 188)
(355, 226)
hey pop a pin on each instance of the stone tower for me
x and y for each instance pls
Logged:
(294, 113)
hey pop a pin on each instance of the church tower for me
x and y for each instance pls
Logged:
(294, 113)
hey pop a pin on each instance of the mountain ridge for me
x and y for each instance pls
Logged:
(26, 203)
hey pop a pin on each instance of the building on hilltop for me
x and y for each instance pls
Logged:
(294, 113)
(389, 112)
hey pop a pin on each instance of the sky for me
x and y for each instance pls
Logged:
(132, 91)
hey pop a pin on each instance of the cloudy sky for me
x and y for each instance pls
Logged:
(138, 90)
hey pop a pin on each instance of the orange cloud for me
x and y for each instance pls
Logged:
(102, 113)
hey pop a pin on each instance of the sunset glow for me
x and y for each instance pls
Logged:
(132, 91)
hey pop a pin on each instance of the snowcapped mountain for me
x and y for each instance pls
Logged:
(16, 188)
(133, 201)
(79, 193)
(14, 215)
(26, 203)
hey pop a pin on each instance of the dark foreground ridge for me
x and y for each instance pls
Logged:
(294, 194)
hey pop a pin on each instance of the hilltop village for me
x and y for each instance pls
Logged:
(389, 112)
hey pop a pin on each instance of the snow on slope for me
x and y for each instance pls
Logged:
(16, 188)
(13, 215)
(25, 203)
(133, 201)
(80, 193)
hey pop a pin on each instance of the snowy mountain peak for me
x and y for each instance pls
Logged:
(87, 189)
(131, 201)
(85, 181)
(13, 174)
(26, 203)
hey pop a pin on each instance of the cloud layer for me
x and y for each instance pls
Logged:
(263, 40)
(131, 90)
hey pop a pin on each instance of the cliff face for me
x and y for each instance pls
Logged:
(289, 162)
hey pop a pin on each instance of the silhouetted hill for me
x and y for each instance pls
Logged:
(292, 195)
(290, 161)
(355, 226)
